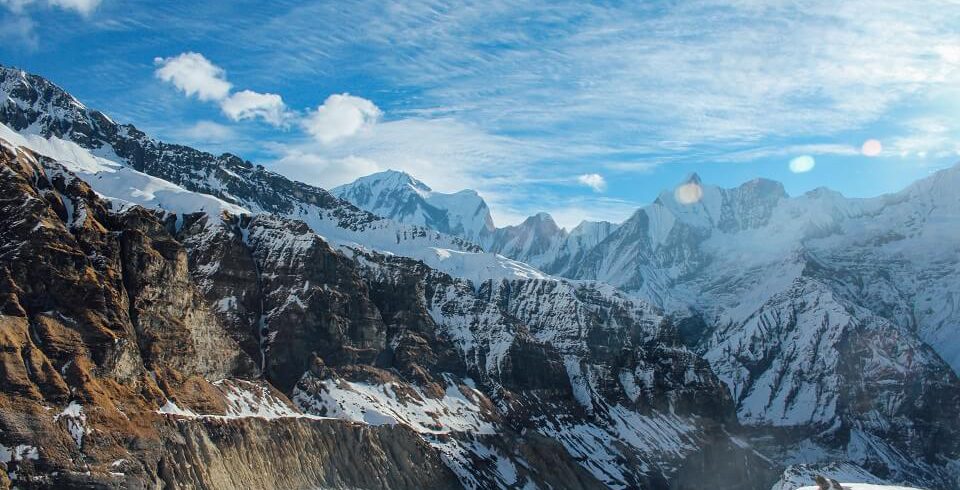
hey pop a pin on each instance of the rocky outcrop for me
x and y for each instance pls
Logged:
(109, 353)
(299, 453)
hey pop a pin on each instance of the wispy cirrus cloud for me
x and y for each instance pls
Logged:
(924, 137)
(17, 25)
(84, 7)
(697, 71)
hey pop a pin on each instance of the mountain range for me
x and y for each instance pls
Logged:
(173, 317)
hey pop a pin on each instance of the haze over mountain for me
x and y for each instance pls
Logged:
(175, 317)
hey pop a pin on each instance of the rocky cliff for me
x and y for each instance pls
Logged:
(116, 372)
(175, 318)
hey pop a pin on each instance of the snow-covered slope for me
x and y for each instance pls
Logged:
(801, 476)
(801, 303)
(404, 199)
(124, 164)
(793, 300)
(113, 181)
(537, 240)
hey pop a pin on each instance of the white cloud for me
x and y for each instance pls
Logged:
(248, 104)
(593, 181)
(341, 116)
(448, 154)
(194, 74)
(83, 7)
(949, 53)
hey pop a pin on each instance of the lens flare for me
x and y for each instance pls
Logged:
(688, 193)
(801, 164)
(871, 148)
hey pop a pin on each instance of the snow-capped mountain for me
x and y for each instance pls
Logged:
(540, 242)
(793, 301)
(404, 199)
(39, 115)
(176, 318)
(537, 241)
(817, 310)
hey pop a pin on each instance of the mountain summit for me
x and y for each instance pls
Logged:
(399, 196)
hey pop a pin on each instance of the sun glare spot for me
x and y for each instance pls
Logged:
(871, 148)
(801, 164)
(688, 193)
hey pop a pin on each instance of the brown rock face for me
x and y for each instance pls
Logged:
(102, 324)
(175, 326)
(295, 297)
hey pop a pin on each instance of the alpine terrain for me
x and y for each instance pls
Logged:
(170, 318)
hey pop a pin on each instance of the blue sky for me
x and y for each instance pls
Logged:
(581, 110)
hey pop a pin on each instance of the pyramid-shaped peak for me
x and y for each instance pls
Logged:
(394, 178)
(692, 178)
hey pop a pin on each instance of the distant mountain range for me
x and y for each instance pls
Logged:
(172, 317)
(537, 241)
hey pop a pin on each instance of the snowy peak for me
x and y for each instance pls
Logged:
(538, 240)
(542, 222)
(392, 179)
(597, 230)
(535, 236)
(401, 197)
(709, 207)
